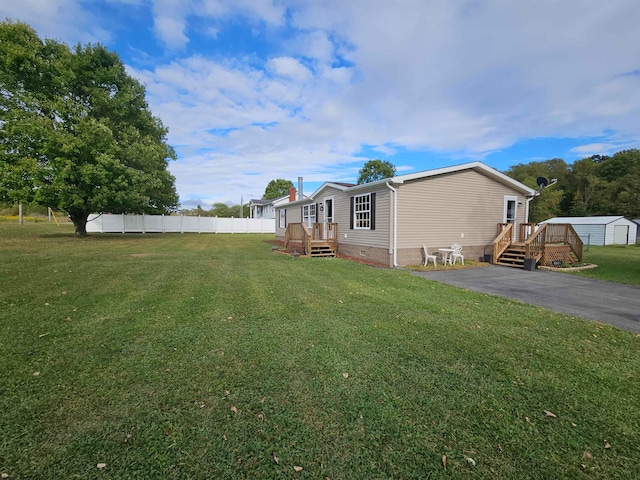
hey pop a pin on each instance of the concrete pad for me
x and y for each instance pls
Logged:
(607, 302)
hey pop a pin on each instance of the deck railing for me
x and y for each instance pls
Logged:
(564, 233)
(534, 246)
(553, 233)
(503, 240)
(299, 232)
(525, 231)
(328, 234)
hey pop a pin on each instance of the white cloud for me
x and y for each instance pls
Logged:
(62, 20)
(462, 78)
(595, 149)
(290, 68)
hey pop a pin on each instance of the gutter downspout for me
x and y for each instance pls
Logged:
(395, 225)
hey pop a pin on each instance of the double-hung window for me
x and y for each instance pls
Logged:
(309, 214)
(363, 211)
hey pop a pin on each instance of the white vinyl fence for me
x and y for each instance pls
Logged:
(121, 223)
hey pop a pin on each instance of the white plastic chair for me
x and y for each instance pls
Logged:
(428, 257)
(456, 253)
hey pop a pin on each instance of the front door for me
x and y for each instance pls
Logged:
(510, 211)
(328, 215)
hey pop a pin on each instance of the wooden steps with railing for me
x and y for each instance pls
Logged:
(322, 250)
(312, 243)
(513, 256)
(549, 243)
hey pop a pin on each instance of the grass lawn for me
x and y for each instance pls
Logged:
(616, 263)
(209, 357)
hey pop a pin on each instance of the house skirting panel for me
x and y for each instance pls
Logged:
(372, 254)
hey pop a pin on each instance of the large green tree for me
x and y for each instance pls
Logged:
(549, 201)
(76, 133)
(376, 170)
(277, 188)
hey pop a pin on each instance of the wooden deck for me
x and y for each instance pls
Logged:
(321, 240)
(546, 245)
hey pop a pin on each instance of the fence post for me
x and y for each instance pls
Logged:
(232, 224)
(181, 229)
(124, 230)
(198, 223)
(144, 228)
(163, 223)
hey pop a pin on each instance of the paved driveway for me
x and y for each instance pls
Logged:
(605, 302)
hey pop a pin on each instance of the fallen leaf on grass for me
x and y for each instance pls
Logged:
(550, 414)
(345, 375)
(43, 335)
(444, 461)
(470, 461)
(275, 458)
(297, 468)
(36, 374)
(587, 456)
(260, 416)
(527, 419)
(263, 399)
(127, 438)
(607, 445)
(101, 465)
(234, 409)
(4, 475)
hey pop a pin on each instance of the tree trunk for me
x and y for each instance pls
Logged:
(80, 222)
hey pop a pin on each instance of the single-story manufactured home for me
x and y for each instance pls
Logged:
(388, 221)
(602, 230)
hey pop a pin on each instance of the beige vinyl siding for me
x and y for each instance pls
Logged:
(330, 192)
(439, 210)
(364, 237)
(294, 215)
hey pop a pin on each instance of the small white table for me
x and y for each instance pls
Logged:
(446, 255)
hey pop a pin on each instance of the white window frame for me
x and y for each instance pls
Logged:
(282, 218)
(362, 212)
(309, 214)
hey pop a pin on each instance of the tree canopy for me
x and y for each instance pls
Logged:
(596, 185)
(376, 170)
(76, 133)
(277, 188)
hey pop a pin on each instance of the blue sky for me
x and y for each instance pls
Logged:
(254, 90)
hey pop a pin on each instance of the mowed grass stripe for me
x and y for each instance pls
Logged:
(149, 340)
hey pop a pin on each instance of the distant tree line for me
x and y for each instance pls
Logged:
(221, 210)
(596, 185)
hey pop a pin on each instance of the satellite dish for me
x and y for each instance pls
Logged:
(542, 182)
